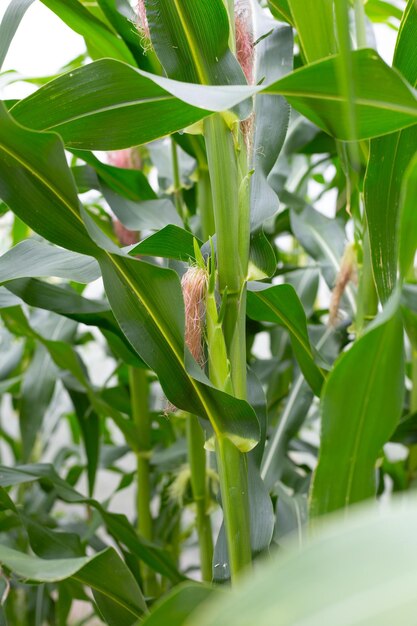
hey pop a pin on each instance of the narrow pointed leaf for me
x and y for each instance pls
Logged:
(170, 242)
(389, 158)
(408, 219)
(361, 406)
(136, 107)
(100, 39)
(105, 573)
(281, 10)
(10, 23)
(383, 102)
(280, 305)
(34, 173)
(175, 607)
(351, 556)
(314, 22)
(36, 259)
(117, 525)
(153, 321)
(106, 105)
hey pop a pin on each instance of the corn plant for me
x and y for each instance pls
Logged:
(208, 311)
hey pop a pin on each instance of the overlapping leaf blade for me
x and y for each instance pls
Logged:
(314, 22)
(100, 39)
(191, 40)
(105, 573)
(10, 23)
(351, 556)
(383, 102)
(361, 406)
(116, 524)
(280, 304)
(106, 105)
(271, 117)
(153, 320)
(388, 161)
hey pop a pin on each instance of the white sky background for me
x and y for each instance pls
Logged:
(43, 44)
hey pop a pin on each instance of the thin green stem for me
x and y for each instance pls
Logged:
(199, 485)
(413, 397)
(230, 189)
(367, 299)
(179, 201)
(205, 203)
(233, 473)
(412, 449)
(224, 176)
(139, 390)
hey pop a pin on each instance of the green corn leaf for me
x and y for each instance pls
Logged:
(145, 215)
(34, 172)
(281, 10)
(361, 406)
(89, 423)
(10, 23)
(382, 102)
(100, 39)
(136, 107)
(70, 304)
(280, 305)
(117, 525)
(191, 39)
(129, 183)
(114, 587)
(389, 158)
(171, 242)
(107, 105)
(351, 555)
(380, 11)
(408, 220)
(39, 382)
(37, 259)
(314, 22)
(153, 321)
(178, 604)
(66, 302)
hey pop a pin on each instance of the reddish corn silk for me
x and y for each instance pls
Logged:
(347, 274)
(143, 25)
(246, 57)
(125, 236)
(194, 287)
(128, 159)
(244, 38)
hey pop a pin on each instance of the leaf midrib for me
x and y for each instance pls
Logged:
(113, 107)
(138, 294)
(287, 322)
(366, 102)
(191, 45)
